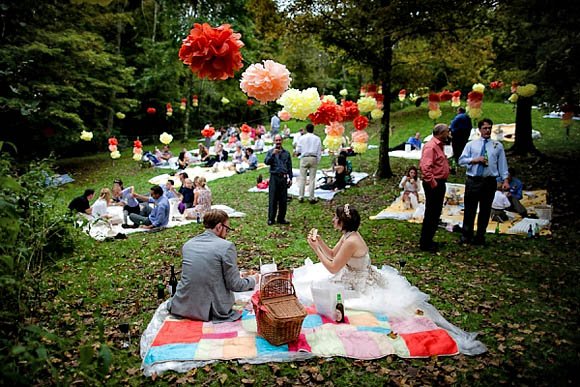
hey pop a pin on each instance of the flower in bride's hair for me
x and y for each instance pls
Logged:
(347, 210)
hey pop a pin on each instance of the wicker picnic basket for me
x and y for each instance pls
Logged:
(279, 314)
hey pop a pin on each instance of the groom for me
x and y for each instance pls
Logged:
(210, 274)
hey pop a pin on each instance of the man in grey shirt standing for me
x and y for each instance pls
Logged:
(309, 149)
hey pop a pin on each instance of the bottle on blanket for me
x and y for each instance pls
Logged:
(339, 312)
(173, 281)
(160, 289)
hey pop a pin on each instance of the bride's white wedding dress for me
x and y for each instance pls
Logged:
(384, 291)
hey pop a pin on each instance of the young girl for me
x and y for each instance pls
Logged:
(410, 185)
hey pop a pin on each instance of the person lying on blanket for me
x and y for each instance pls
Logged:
(210, 274)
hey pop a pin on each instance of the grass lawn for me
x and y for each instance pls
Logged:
(520, 294)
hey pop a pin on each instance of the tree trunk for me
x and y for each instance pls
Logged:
(384, 168)
(523, 143)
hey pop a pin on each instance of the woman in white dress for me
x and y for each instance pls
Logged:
(346, 268)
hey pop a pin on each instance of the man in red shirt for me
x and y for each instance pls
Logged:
(435, 169)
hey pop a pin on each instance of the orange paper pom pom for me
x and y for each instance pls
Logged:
(265, 82)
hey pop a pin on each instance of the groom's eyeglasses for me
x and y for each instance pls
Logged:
(228, 228)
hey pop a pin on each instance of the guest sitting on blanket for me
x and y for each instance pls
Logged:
(238, 155)
(340, 173)
(182, 160)
(163, 154)
(201, 200)
(259, 143)
(499, 205)
(151, 217)
(251, 159)
(100, 207)
(203, 153)
(410, 185)
(169, 190)
(414, 141)
(187, 193)
(81, 204)
(124, 197)
(210, 274)
(514, 194)
(220, 155)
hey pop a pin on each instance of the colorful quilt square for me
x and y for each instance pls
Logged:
(359, 345)
(359, 318)
(413, 325)
(210, 349)
(325, 342)
(311, 321)
(240, 348)
(170, 352)
(435, 342)
(265, 348)
(183, 331)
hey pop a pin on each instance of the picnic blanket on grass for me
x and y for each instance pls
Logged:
(318, 192)
(452, 213)
(170, 343)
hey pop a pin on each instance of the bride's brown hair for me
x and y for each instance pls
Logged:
(348, 217)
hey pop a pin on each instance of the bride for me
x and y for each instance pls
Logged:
(346, 268)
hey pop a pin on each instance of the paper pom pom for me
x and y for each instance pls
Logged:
(137, 144)
(350, 110)
(112, 148)
(474, 96)
(113, 141)
(151, 111)
(165, 138)
(366, 104)
(329, 98)
(284, 115)
(434, 97)
(86, 136)
(246, 128)
(265, 82)
(225, 101)
(334, 129)
(245, 141)
(333, 143)
(360, 136)
(244, 135)
(115, 154)
(250, 102)
(434, 114)
(343, 92)
(513, 98)
(208, 132)
(474, 112)
(136, 156)
(360, 147)
(120, 115)
(527, 90)
(300, 103)
(445, 96)
(377, 114)
(479, 87)
(361, 123)
(138, 150)
(326, 113)
(212, 53)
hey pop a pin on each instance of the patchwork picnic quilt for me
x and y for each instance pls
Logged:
(364, 335)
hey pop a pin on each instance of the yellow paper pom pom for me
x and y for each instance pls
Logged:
(120, 115)
(377, 114)
(343, 92)
(225, 101)
(360, 147)
(480, 87)
(366, 104)
(115, 155)
(513, 98)
(300, 103)
(434, 114)
(527, 90)
(333, 143)
(165, 138)
(330, 98)
(137, 156)
(474, 112)
(86, 136)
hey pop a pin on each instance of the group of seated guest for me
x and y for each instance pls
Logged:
(195, 196)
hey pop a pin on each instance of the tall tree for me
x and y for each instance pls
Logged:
(370, 30)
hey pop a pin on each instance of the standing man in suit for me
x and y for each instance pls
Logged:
(210, 274)
(280, 162)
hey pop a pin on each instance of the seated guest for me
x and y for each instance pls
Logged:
(203, 153)
(340, 174)
(124, 197)
(201, 200)
(220, 155)
(238, 155)
(210, 274)
(251, 159)
(169, 190)
(514, 194)
(414, 141)
(151, 217)
(187, 194)
(100, 207)
(499, 205)
(182, 160)
(164, 154)
(259, 143)
(81, 204)
(410, 185)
